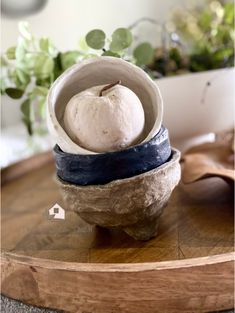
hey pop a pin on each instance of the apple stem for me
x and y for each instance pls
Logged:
(108, 87)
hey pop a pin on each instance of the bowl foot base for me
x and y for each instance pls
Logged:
(143, 230)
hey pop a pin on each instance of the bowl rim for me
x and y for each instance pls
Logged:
(57, 131)
(162, 132)
(174, 158)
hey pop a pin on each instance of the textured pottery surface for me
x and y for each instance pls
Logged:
(101, 71)
(105, 167)
(132, 204)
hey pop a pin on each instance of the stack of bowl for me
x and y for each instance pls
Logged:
(128, 188)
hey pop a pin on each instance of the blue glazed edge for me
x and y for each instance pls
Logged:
(103, 168)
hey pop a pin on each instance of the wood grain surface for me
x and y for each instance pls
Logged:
(69, 265)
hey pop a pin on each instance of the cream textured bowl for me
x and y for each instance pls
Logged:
(99, 71)
(131, 204)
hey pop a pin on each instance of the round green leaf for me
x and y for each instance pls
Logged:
(40, 91)
(14, 93)
(22, 77)
(42, 108)
(221, 55)
(20, 52)
(111, 54)
(24, 60)
(89, 56)
(205, 20)
(47, 46)
(44, 82)
(43, 66)
(26, 109)
(121, 39)
(144, 53)
(83, 44)
(24, 30)
(2, 85)
(29, 126)
(96, 39)
(44, 44)
(3, 61)
(229, 13)
(69, 58)
(11, 53)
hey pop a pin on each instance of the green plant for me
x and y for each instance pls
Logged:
(29, 69)
(208, 32)
(197, 39)
(117, 46)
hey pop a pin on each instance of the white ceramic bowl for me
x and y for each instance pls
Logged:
(186, 115)
(99, 71)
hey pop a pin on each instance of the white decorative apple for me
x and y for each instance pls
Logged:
(105, 118)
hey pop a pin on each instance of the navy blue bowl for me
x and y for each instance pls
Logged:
(94, 169)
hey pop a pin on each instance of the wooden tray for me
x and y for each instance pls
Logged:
(64, 264)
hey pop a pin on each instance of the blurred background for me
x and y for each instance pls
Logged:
(187, 46)
(65, 22)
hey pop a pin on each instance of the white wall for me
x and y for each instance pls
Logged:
(65, 21)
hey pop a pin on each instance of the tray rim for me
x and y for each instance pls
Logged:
(114, 267)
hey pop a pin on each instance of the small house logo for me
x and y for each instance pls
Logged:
(56, 212)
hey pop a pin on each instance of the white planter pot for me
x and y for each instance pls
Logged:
(186, 115)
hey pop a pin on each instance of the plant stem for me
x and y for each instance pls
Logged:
(108, 87)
